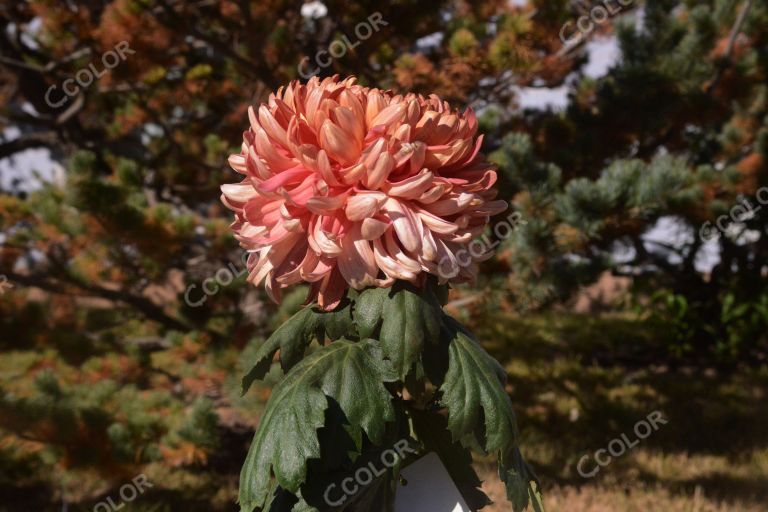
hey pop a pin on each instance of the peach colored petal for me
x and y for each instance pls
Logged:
(373, 228)
(362, 206)
(351, 175)
(406, 224)
(380, 171)
(356, 261)
(239, 163)
(336, 143)
(413, 187)
(326, 205)
(350, 186)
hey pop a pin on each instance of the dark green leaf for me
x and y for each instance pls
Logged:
(473, 390)
(408, 321)
(279, 500)
(349, 373)
(294, 336)
(522, 485)
(337, 323)
(303, 506)
(435, 357)
(367, 312)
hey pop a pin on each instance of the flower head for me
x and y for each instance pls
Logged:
(351, 186)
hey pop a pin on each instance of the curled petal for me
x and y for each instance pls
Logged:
(413, 187)
(345, 119)
(336, 142)
(329, 291)
(272, 127)
(437, 224)
(490, 208)
(406, 224)
(284, 178)
(239, 163)
(323, 241)
(356, 261)
(375, 104)
(276, 161)
(362, 206)
(372, 229)
(434, 193)
(380, 171)
(351, 175)
(450, 206)
(317, 269)
(347, 186)
(238, 192)
(389, 265)
(326, 205)
(389, 115)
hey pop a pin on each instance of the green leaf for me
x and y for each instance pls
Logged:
(367, 312)
(473, 389)
(337, 323)
(521, 483)
(294, 336)
(408, 321)
(435, 357)
(278, 499)
(303, 506)
(350, 373)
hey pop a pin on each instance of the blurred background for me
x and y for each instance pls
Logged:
(631, 139)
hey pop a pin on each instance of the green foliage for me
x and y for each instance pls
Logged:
(294, 336)
(739, 325)
(673, 134)
(200, 426)
(474, 390)
(352, 374)
(463, 42)
(522, 486)
(407, 318)
(354, 386)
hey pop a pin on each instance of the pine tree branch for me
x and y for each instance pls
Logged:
(29, 141)
(727, 61)
(148, 308)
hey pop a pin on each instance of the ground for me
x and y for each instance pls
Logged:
(579, 382)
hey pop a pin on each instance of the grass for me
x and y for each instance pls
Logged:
(578, 382)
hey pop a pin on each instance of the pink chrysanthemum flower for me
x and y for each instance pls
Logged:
(351, 186)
